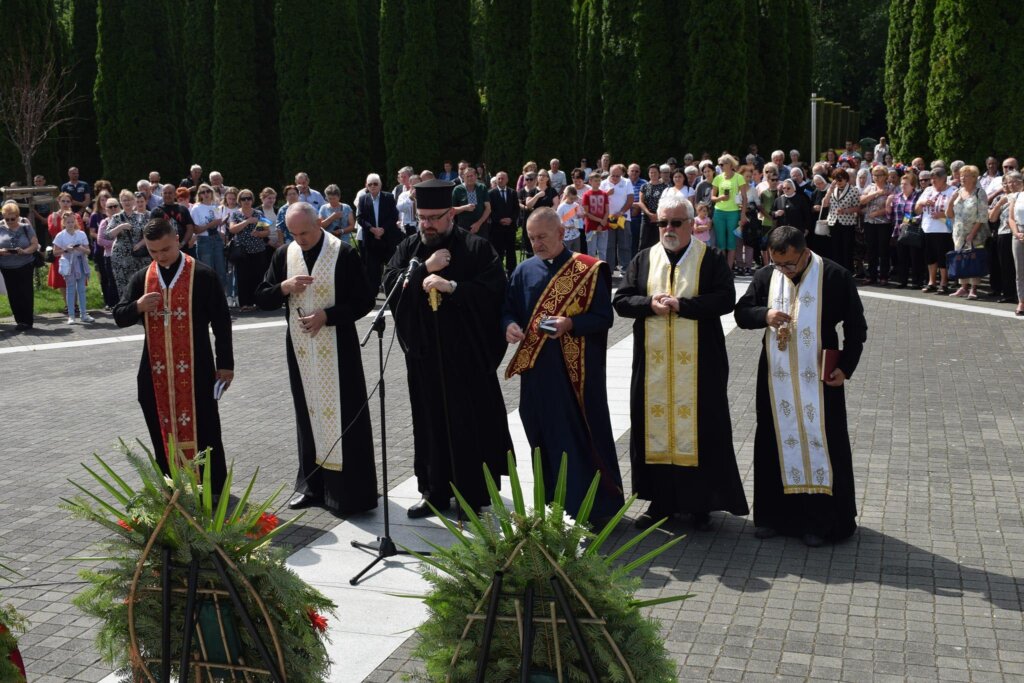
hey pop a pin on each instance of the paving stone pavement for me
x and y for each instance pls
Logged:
(930, 588)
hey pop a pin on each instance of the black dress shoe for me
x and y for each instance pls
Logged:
(21, 327)
(421, 509)
(813, 541)
(650, 518)
(702, 521)
(304, 500)
(764, 532)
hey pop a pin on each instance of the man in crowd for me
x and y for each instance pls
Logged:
(81, 193)
(193, 180)
(504, 218)
(557, 176)
(649, 197)
(321, 281)
(152, 201)
(155, 185)
(620, 201)
(803, 464)
(178, 301)
(851, 155)
(471, 204)
(680, 431)
(306, 193)
(176, 214)
(635, 214)
(377, 217)
(219, 188)
(779, 159)
(446, 317)
(558, 309)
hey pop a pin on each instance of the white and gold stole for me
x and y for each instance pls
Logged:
(317, 357)
(670, 352)
(795, 387)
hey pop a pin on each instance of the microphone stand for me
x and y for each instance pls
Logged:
(384, 547)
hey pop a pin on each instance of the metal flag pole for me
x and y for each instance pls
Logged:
(434, 299)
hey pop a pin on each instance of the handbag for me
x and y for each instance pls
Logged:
(37, 258)
(821, 226)
(967, 262)
(234, 251)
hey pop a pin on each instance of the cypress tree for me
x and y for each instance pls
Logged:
(234, 151)
(660, 106)
(768, 90)
(338, 147)
(368, 15)
(81, 148)
(897, 59)
(459, 120)
(506, 24)
(1008, 135)
(547, 133)
(413, 139)
(392, 36)
(718, 47)
(799, 50)
(199, 83)
(134, 66)
(293, 53)
(967, 78)
(266, 90)
(910, 138)
(618, 78)
(588, 84)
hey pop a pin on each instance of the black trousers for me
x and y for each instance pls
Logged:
(842, 245)
(374, 260)
(909, 264)
(877, 236)
(108, 284)
(250, 271)
(1007, 270)
(503, 239)
(995, 271)
(19, 292)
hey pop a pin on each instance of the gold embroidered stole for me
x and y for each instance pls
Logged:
(670, 362)
(317, 357)
(172, 357)
(797, 393)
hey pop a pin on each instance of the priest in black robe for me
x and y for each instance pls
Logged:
(206, 310)
(680, 430)
(321, 281)
(820, 505)
(451, 353)
(563, 396)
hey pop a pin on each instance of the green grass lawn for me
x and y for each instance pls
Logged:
(50, 301)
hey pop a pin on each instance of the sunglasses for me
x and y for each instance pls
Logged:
(373, 184)
(113, 206)
(674, 223)
(1009, 168)
(205, 191)
(245, 199)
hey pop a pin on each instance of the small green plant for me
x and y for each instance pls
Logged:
(530, 545)
(11, 623)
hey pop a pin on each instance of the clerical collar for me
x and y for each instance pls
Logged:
(673, 257)
(168, 274)
(558, 260)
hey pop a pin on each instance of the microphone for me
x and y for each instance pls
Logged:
(414, 263)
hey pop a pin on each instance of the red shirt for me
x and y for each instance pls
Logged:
(595, 202)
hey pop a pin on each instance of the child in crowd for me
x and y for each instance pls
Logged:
(702, 223)
(571, 214)
(72, 245)
(595, 210)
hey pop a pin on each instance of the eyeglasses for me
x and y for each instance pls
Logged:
(772, 177)
(674, 223)
(113, 206)
(431, 219)
(1009, 168)
(245, 199)
(788, 267)
(139, 195)
(373, 184)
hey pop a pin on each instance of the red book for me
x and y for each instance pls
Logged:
(829, 362)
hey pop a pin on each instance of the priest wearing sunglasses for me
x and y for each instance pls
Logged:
(681, 434)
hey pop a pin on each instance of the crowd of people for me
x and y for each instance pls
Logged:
(888, 222)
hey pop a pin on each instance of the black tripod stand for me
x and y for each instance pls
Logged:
(384, 547)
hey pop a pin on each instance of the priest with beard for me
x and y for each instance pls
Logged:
(322, 284)
(680, 430)
(178, 301)
(558, 309)
(803, 464)
(448, 315)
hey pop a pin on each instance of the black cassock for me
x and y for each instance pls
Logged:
(473, 344)
(714, 484)
(209, 310)
(354, 488)
(833, 516)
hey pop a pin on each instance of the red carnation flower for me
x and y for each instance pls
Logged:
(266, 523)
(317, 620)
(124, 525)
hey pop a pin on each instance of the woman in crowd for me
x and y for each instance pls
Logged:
(678, 186)
(208, 218)
(547, 196)
(702, 192)
(71, 247)
(750, 235)
(337, 218)
(999, 218)
(268, 205)
(1015, 221)
(900, 205)
(877, 226)
(729, 196)
(105, 246)
(244, 226)
(793, 208)
(843, 204)
(125, 228)
(969, 211)
(938, 237)
(18, 245)
(529, 168)
(291, 195)
(53, 227)
(228, 205)
(101, 251)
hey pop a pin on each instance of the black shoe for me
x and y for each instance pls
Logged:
(421, 509)
(21, 327)
(764, 532)
(649, 518)
(304, 500)
(702, 521)
(1007, 300)
(812, 541)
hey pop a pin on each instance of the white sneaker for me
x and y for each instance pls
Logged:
(71, 321)
(88, 319)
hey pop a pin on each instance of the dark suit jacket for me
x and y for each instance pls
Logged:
(387, 219)
(507, 208)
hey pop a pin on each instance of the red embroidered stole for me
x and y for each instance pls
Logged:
(172, 357)
(569, 293)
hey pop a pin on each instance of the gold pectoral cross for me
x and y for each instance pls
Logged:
(783, 335)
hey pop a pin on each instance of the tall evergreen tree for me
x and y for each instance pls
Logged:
(548, 134)
(897, 59)
(267, 112)
(618, 78)
(588, 135)
(505, 24)
(392, 38)
(413, 137)
(659, 106)
(235, 99)
(458, 115)
(368, 21)
(910, 137)
(81, 148)
(137, 96)
(717, 80)
(293, 52)
(199, 83)
(800, 56)
(767, 79)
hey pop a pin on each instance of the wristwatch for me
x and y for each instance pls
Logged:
(454, 284)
